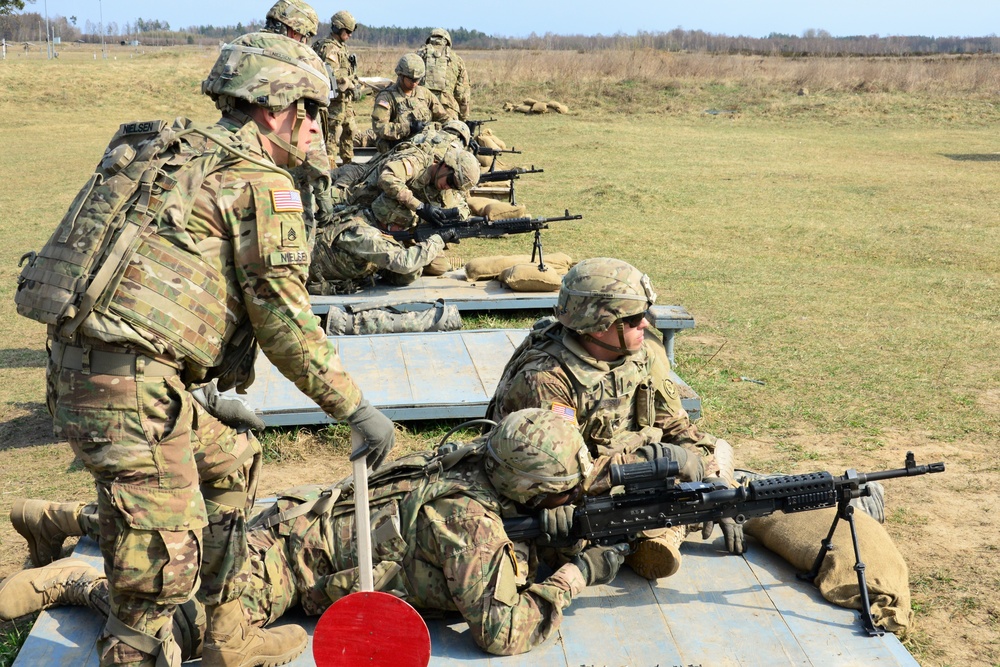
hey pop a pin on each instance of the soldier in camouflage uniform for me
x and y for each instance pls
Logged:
(345, 84)
(414, 185)
(223, 260)
(405, 107)
(445, 74)
(594, 364)
(292, 18)
(438, 540)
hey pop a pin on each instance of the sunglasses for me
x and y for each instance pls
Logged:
(634, 320)
(312, 109)
(453, 181)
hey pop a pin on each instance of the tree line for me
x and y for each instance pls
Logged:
(30, 26)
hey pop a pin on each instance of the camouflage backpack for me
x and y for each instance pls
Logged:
(146, 182)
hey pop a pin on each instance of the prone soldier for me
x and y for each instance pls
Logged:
(438, 539)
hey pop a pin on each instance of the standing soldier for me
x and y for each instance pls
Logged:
(185, 246)
(446, 75)
(405, 107)
(343, 68)
(292, 18)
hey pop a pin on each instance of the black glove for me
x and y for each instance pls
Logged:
(416, 126)
(378, 431)
(449, 236)
(436, 215)
(476, 149)
(655, 450)
(557, 524)
(353, 59)
(599, 565)
(230, 409)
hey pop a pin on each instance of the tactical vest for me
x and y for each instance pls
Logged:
(607, 402)
(437, 63)
(119, 267)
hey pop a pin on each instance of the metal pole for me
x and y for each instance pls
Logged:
(48, 34)
(104, 53)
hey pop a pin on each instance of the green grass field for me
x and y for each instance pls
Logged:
(839, 246)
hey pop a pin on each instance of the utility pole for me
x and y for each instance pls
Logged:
(49, 46)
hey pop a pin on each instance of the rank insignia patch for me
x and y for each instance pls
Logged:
(286, 201)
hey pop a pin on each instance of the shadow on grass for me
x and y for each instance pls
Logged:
(30, 428)
(973, 157)
(22, 357)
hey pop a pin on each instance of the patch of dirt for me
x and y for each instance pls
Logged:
(989, 401)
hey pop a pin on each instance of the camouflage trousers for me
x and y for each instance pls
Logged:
(174, 486)
(340, 132)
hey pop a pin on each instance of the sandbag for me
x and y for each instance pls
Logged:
(528, 278)
(528, 101)
(558, 107)
(494, 209)
(352, 321)
(524, 108)
(486, 268)
(539, 107)
(796, 538)
(489, 139)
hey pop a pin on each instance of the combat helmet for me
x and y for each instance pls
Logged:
(439, 36)
(465, 165)
(269, 71)
(343, 20)
(597, 293)
(293, 14)
(412, 66)
(535, 452)
(459, 129)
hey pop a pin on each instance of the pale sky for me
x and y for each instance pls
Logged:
(518, 18)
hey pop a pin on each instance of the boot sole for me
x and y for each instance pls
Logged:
(269, 660)
(653, 560)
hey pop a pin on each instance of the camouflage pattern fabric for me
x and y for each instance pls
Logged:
(174, 483)
(340, 116)
(355, 249)
(394, 110)
(618, 406)
(360, 321)
(447, 78)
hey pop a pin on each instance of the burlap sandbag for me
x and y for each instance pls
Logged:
(486, 268)
(527, 278)
(485, 161)
(489, 139)
(796, 537)
(529, 101)
(558, 107)
(539, 107)
(524, 108)
(494, 209)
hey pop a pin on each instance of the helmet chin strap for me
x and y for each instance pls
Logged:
(295, 155)
(622, 348)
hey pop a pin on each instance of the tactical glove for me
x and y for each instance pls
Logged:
(378, 431)
(599, 565)
(557, 524)
(449, 236)
(732, 531)
(230, 409)
(436, 215)
(353, 59)
(416, 126)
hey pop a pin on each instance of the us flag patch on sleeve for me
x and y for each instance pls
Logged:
(286, 201)
(564, 411)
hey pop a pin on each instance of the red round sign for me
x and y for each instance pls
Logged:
(374, 629)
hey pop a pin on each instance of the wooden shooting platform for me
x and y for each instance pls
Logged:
(718, 611)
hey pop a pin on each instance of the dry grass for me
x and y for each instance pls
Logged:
(840, 246)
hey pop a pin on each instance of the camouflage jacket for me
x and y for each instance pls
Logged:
(438, 541)
(394, 110)
(354, 249)
(447, 78)
(343, 77)
(245, 224)
(619, 406)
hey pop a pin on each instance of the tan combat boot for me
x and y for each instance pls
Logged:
(45, 526)
(65, 582)
(659, 554)
(231, 641)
